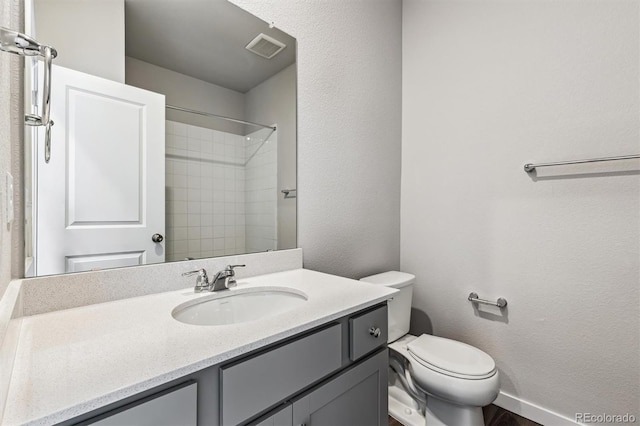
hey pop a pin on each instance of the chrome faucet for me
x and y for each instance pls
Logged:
(223, 280)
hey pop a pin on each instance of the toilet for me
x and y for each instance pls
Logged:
(433, 381)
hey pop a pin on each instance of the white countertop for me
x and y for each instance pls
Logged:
(73, 361)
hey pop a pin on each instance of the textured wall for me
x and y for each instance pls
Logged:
(488, 86)
(10, 148)
(349, 114)
(274, 102)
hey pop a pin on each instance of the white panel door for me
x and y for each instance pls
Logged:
(101, 196)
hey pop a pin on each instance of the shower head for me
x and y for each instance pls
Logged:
(21, 44)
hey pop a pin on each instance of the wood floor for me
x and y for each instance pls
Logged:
(394, 422)
(496, 416)
(493, 416)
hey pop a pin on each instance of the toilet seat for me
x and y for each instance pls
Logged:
(452, 358)
(459, 389)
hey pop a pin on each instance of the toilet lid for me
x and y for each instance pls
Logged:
(451, 357)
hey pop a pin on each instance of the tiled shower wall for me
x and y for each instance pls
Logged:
(205, 207)
(214, 180)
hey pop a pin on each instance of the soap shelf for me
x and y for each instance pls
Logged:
(287, 193)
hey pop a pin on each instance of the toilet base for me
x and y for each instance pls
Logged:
(442, 413)
(407, 411)
(403, 408)
(437, 412)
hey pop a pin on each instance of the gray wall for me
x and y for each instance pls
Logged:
(349, 115)
(487, 87)
(274, 102)
(84, 43)
(11, 124)
(188, 92)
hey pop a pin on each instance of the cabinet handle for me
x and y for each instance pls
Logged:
(374, 331)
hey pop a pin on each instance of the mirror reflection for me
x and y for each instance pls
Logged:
(174, 135)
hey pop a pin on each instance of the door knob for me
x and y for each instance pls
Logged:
(374, 331)
(157, 238)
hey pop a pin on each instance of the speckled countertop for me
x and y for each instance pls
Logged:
(73, 361)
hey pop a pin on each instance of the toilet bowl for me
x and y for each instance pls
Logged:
(433, 381)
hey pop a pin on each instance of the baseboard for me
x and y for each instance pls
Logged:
(532, 411)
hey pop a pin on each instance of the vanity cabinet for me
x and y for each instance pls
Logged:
(335, 374)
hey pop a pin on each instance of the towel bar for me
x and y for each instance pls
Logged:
(529, 168)
(500, 303)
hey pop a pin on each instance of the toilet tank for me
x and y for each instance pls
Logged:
(400, 306)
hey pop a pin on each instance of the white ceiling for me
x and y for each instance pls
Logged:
(204, 39)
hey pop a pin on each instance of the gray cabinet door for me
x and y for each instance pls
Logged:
(282, 417)
(357, 397)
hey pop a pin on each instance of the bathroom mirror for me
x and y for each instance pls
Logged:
(174, 135)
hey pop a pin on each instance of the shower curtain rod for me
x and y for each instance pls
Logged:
(207, 114)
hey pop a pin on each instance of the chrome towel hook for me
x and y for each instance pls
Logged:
(23, 45)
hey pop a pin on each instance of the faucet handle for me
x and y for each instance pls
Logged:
(230, 267)
(231, 274)
(202, 282)
(201, 272)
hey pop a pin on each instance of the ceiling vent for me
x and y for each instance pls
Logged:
(265, 46)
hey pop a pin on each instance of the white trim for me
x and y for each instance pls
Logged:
(532, 411)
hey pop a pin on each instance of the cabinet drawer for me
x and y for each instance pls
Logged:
(175, 406)
(367, 332)
(253, 385)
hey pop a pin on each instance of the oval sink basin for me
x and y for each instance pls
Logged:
(236, 306)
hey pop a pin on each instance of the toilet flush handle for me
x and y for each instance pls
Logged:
(374, 331)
